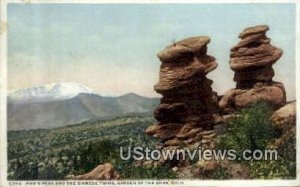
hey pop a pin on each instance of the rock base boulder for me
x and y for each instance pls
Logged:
(101, 172)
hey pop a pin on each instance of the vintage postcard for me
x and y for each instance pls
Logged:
(149, 93)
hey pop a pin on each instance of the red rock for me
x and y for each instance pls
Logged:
(285, 120)
(285, 116)
(254, 30)
(101, 172)
(271, 94)
(252, 61)
(173, 142)
(252, 41)
(226, 102)
(175, 53)
(170, 112)
(257, 75)
(199, 120)
(164, 131)
(261, 56)
(174, 77)
(234, 99)
(208, 132)
(183, 50)
(197, 88)
(210, 165)
(195, 43)
(209, 136)
(188, 101)
(188, 130)
(152, 130)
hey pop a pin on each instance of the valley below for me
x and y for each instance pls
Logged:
(75, 149)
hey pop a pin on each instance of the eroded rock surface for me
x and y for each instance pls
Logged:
(285, 116)
(284, 120)
(251, 60)
(188, 103)
(101, 172)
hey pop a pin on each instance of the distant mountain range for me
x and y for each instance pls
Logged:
(61, 104)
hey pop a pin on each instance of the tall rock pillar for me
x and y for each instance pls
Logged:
(188, 103)
(251, 60)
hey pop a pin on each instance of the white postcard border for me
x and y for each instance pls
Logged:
(3, 100)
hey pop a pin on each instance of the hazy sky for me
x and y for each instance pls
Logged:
(112, 48)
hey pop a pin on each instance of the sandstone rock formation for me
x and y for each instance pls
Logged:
(284, 120)
(286, 115)
(188, 102)
(101, 172)
(251, 60)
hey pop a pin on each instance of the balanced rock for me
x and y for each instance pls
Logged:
(188, 101)
(253, 30)
(251, 60)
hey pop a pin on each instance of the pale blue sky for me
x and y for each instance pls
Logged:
(112, 48)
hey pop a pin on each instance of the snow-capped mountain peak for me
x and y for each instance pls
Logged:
(53, 91)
